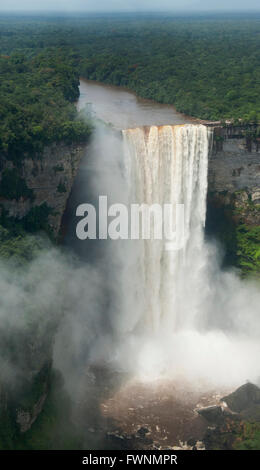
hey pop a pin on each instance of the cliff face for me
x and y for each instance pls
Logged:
(234, 180)
(23, 394)
(235, 169)
(234, 201)
(49, 178)
(46, 180)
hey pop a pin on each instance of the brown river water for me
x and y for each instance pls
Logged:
(123, 109)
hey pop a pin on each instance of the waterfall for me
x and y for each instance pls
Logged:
(168, 165)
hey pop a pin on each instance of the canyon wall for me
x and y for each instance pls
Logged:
(234, 169)
(234, 179)
(44, 181)
(48, 178)
(233, 213)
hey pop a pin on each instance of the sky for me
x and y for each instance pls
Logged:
(129, 5)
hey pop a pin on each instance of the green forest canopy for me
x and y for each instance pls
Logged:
(208, 67)
(36, 103)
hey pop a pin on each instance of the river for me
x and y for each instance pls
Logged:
(123, 109)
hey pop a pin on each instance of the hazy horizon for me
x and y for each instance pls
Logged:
(120, 6)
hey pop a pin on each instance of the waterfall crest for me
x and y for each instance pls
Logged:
(169, 165)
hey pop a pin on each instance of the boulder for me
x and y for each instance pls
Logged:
(243, 398)
(142, 432)
(213, 414)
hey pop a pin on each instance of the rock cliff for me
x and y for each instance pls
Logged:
(49, 178)
(46, 181)
(235, 170)
(234, 201)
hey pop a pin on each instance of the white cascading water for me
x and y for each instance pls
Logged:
(184, 316)
(169, 165)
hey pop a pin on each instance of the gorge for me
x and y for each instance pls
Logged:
(208, 331)
(117, 309)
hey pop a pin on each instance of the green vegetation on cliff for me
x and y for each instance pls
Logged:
(248, 249)
(18, 247)
(14, 229)
(12, 186)
(233, 219)
(249, 437)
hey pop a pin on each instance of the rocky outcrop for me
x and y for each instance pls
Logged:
(25, 374)
(50, 176)
(213, 414)
(245, 401)
(235, 423)
(25, 419)
(22, 400)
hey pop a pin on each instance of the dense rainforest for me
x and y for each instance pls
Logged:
(36, 103)
(208, 67)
